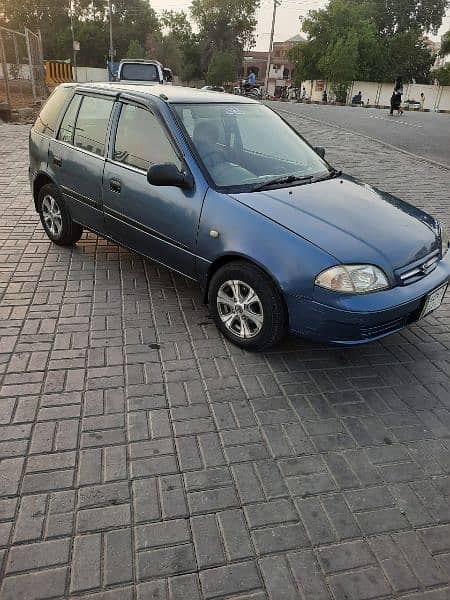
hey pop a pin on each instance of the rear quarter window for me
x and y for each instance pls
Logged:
(48, 117)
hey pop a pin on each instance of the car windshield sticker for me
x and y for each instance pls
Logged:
(233, 110)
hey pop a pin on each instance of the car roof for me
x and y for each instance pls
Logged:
(172, 94)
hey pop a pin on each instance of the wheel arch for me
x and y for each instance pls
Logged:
(225, 259)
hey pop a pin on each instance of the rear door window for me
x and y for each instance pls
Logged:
(92, 124)
(67, 127)
(49, 115)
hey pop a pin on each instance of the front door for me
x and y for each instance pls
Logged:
(160, 222)
(76, 157)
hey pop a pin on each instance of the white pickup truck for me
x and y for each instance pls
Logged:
(136, 70)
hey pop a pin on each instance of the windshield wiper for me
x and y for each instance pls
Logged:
(330, 175)
(281, 180)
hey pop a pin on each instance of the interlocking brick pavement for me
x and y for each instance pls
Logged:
(144, 457)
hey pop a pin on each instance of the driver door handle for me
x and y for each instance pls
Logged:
(115, 185)
(57, 161)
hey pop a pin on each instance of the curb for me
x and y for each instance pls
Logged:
(372, 139)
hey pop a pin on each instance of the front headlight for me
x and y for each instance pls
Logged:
(444, 239)
(353, 279)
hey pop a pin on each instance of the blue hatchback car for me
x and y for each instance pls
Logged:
(221, 189)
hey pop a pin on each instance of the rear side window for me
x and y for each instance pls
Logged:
(48, 117)
(137, 72)
(92, 123)
(67, 128)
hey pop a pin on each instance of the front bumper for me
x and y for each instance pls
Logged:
(360, 319)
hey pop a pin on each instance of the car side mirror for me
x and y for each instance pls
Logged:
(166, 174)
(320, 151)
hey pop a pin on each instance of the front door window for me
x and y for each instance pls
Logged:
(141, 140)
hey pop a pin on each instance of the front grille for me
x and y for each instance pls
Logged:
(418, 269)
(374, 330)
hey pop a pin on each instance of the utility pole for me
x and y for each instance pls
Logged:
(73, 41)
(266, 83)
(111, 45)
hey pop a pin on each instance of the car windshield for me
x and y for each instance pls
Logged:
(139, 72)
(248, 145)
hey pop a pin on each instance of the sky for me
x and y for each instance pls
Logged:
(287, 22)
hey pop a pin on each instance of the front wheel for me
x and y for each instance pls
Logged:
(247, 306)
(55, 217)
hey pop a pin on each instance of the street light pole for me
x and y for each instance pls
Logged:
(111, 45)
(266, 83)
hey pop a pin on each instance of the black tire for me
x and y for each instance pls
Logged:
(274, 322)
(69, 232)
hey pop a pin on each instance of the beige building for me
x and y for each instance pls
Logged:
(280, 74)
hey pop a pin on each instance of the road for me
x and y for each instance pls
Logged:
(424, 134)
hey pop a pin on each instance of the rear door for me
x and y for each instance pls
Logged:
(77, 157)
(160, 222)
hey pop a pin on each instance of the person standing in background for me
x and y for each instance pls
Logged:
(422, 101)
(396, 98)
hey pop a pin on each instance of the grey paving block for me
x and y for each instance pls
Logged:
(86, 562)
(38, 555)
(345, 556)
(173, 560)
(232, 579)
(207, 541)
(359, 585)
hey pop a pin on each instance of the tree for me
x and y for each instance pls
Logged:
(445, 44)
(341, 47)
(176, 23)
(221, 68)
(442, 75)
(178, 47)
(350, 40)
(135, 50)
(305, 57)
(132, 19)
(169, 53)
(224, 26)
(395, 16)
(409, 56)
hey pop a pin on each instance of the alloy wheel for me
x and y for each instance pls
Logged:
(51, 215)
(240, 308)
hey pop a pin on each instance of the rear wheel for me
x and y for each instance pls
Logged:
(55, 217)
(247, 306)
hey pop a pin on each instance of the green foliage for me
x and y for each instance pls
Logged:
(191, 68)
(442, 75)
(394, 16)
(132, 20)
(445, 44)
(408, 55)
(176, 24)
(306, 59)
(178, 47)
(224, 26)
(221, 68)
(169, 53)
(371, 40)
(135, 50)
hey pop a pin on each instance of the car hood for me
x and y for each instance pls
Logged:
(350, 220)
